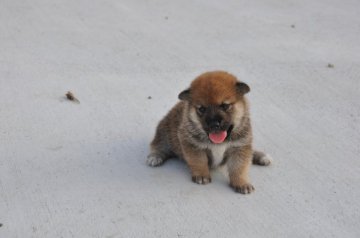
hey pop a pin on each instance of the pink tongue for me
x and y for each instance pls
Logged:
(218, 138)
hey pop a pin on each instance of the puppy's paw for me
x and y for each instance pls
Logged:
(154, 160)
(244, 189)
(263, 160)
(201, 179)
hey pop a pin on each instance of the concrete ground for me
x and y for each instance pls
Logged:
(78, 170)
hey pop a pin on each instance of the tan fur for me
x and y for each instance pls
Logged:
(208, 89)
(183, 132)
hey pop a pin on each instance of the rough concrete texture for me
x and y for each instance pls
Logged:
(78, 170)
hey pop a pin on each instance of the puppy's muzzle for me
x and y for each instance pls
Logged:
(214, 125)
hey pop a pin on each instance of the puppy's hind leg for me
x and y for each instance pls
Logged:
(260, 158)
(154, 160)
(160, 150)
(157, 156)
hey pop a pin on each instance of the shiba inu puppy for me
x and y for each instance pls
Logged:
(210, 127)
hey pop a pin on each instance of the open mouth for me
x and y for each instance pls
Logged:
(219, 137)
(231, 127)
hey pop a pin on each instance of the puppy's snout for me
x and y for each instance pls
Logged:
(215, 124)
(214, 121)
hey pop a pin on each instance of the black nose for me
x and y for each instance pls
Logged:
(215, 125)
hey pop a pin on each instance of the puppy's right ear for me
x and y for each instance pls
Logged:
(185, 95)
(242, 88)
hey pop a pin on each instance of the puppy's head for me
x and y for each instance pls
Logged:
(217, 103)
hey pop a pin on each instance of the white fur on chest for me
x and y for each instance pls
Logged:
(218, 152)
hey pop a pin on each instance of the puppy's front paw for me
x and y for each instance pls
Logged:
(154, 160)
(201, 179)
(244, 189)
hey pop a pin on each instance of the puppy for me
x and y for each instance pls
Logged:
(210, 127)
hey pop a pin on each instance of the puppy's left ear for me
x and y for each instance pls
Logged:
(242, 88)
(185, 95)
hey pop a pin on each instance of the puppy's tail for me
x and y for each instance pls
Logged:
(260, 158)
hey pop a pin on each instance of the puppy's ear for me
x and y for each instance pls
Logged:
(242, 88)
(185, 95)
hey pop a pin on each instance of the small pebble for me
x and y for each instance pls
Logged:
(330, 66)
(1, 224)
(70, 96)
(149, 97)
(293, 26)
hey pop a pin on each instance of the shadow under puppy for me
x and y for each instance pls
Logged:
(210, 127)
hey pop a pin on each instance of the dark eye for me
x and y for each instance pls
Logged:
(201, 110)
(225, 106)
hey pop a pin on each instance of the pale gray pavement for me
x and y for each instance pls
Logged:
(78, 170)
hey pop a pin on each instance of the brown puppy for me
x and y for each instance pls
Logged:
(210, 127)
